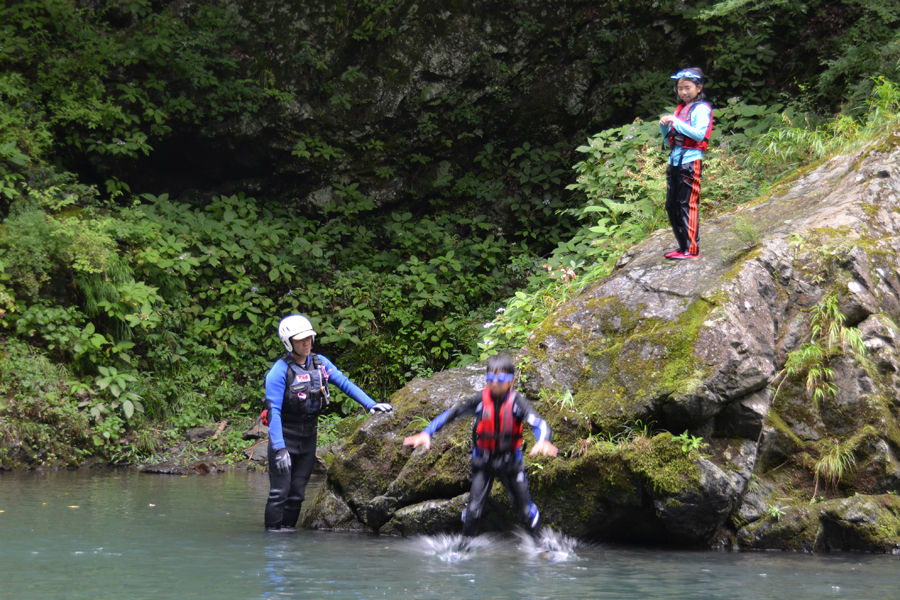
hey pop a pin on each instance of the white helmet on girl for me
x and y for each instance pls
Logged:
(294, 326)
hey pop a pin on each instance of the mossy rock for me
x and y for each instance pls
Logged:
(798, 529)
(695, 346)
(441, 472)
(428, 518)
(861, 523)
(867, 523)
(591, 496)
(331, 512)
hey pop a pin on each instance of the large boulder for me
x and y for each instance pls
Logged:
(697, 347)
(868, 523)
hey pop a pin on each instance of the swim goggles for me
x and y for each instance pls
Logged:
(500, 377)
(688, 74)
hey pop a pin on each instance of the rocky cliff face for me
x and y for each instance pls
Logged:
(699, 347)
(383, 81)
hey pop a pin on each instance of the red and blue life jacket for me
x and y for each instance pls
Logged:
(498, 430)
(688, 143)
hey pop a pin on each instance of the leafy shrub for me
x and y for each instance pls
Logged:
(37, 409)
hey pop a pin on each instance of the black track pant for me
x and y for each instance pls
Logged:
(508, 468)
(683, 204)
(287, 491)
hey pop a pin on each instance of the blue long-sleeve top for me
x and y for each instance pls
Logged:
(695, 129)
(275, 381)
(522, 410)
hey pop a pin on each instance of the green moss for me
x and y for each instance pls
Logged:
(794, 402)
(865, 522)
(642, 361)
(887, 143)
(798, 529)
(775, 420)
(662, 463)
(719, 297)
(537, 347)
(871, 210)
(572, 493)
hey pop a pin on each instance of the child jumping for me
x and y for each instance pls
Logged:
(687, 134)
(499, 413)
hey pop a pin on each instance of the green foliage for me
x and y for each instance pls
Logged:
(803, 138)
(527, 183)
(328, 427)
(171, 306)
(744, 38)
(563, 399)
(836, 460)
(110, 79)
(211, 283)
(638, 428)
(117, 384)
(689, 443)
(870, 46)
(622, 180)
(634, 433)
(375, 19)
(39, 418)
(827, 338)
(308, 147)
(61, 331)
(775, 512)
(733, 32)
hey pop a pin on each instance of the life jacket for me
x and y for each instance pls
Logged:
(685, 142)
(306, 395)
(498, 430)
(305, 390)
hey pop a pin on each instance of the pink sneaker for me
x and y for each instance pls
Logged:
(672, 253)
(684, 256)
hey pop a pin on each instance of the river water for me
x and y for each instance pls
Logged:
(121, 534)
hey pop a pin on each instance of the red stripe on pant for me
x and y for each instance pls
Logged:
(694, 210)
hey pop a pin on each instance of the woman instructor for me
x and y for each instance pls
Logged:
(296, 394)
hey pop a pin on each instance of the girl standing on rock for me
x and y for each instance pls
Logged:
(687, 133)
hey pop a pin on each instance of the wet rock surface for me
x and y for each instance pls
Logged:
(697, 347)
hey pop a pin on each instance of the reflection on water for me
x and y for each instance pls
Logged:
(120, 534)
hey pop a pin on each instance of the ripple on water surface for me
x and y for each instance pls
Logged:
(120, 534)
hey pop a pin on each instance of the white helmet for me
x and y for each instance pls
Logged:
(294, 326)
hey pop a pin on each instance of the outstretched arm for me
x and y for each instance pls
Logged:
(464, 408)
(344, 384)
(420, 439)
(542, 430)
(544, 447)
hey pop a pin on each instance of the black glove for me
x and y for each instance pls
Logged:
(283, 461)
(381, 407)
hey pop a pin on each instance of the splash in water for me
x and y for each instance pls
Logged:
(549, 545)
(453, 548)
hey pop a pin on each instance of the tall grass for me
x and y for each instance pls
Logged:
(796, 143)
(836, 461)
